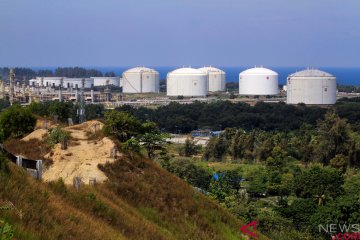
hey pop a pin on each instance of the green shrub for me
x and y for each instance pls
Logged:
(58, 135)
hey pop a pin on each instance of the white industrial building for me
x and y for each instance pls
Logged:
(103, 81)
(140, 80)
(73, 82)
(258, 81)
(311, 86)
(187, 82)
(66, 82)
(48, 81)
(216, 79)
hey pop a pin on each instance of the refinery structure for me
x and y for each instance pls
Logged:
(141, 86)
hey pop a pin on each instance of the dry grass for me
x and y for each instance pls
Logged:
(169, 201)
(32, 149)
(132, 205)
(46, 215)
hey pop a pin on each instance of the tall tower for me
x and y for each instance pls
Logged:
(12, 85)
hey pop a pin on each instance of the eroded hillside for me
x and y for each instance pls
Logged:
(134, 198)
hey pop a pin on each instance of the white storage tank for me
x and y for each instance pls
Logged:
(187, 82)
(216, 79)
(73, 82)
(102, 81)
(258, 81)
(141, 80)
(311, 86)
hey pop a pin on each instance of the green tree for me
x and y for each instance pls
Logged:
(333, 137)
(6, 231)
(190, 172)
(61, 110)
(299, 212)
(58, 135)
(319, 183)
(16, 121)
(152, 139)
(258, 183)
(215, 149)
(190, 148)
(132, 147)
(121, 125)
(339, 162)
(94, 111)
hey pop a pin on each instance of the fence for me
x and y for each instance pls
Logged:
(33, 167)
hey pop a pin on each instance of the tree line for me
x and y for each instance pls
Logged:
(70, 72)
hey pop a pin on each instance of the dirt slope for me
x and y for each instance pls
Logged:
(82, 157)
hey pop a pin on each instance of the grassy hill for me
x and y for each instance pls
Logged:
(139, 200)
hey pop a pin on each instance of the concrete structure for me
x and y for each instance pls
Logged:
(311, 86)
(188, 82)
(102, 81)
(258, 81)
(141, 80)
(48, 81)
(73, 82)
(216, 79)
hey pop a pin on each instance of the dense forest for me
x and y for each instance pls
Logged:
(71, 72)
(290, 181)
(219, 115)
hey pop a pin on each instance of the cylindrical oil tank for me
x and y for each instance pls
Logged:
(73, 82)
(103, 81)
(258, 81)
(141, 80)
(311, 86)
(216, 79)
(187, 82)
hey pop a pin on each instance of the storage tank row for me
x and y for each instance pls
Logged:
(310, 86)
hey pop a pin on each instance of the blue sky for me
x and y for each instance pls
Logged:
(180, 32)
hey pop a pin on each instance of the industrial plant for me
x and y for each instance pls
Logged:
(311, 86)
(141, 86)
